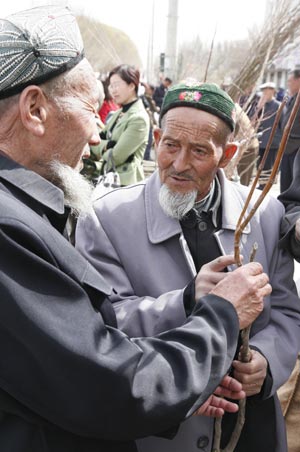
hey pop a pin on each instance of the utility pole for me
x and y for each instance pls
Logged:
(171, 47)
(150, 71)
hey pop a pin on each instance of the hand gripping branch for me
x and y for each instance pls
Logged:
(243, 221)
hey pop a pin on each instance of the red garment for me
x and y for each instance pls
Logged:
(107, 106)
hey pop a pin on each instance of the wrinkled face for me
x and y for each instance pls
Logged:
(293, 84)
(190, 149)
(122, 92)
(73, 121)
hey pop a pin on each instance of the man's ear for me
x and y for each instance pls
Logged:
(33, 106)
(229, 152)
(157, 132)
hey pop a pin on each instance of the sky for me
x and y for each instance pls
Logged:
(230, 18)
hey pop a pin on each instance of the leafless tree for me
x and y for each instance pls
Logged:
(106, 46)
(280, 28)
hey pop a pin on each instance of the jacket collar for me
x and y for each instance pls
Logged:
(32, 184)
(161, 227)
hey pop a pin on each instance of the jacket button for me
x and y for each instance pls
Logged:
(202, 442)
(202, 226)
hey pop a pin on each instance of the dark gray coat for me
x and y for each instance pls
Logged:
(266, 124)
(294, 139)
(291, 200)
(70, 381)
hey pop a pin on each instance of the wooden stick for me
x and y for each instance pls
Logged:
(255, 181)
(245, 357)
(241, 224)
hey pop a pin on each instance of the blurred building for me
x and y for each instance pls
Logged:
(285, 62)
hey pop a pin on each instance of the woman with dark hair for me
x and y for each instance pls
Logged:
(108, 106)
(125, 136)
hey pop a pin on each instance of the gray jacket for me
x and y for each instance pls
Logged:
(143, 254)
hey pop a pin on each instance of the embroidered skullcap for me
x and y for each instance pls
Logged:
(203, 96)
(36, 45)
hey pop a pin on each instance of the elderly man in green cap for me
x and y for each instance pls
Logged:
(70, 381)
(169, 240)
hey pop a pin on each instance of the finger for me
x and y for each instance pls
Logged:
(246, 374)
(217, 407)
(220, 263)
(235, 395)
(224, 404)
(252, 389)
(210, 412)
(257, 364)
(209, 278)
(261, 280)
(253, 268)
(245, 368)
(215, 412)
(231, 383)
(266, 290)
(246, 379)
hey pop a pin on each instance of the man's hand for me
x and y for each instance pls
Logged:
(210, 274)
(245, 288)
(252, 375)
(215, 406)
(297, 230)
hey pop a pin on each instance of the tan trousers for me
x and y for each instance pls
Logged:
(289, 396)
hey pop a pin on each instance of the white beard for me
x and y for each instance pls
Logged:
(174, 204)
(77, 189)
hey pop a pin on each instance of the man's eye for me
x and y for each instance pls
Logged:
(200, 151)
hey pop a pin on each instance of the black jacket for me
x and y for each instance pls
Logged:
(266, 124)
(70, 381)
(291, 201)
(294, 139)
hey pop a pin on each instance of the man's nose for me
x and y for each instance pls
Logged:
(182, 160)
(95, 138)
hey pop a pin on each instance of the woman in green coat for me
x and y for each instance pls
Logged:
(126, 134)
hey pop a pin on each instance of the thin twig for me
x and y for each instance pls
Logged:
(210, 55)
(255, 181)
(241, 224)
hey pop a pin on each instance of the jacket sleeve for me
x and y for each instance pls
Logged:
(293, 142)
(136, 315)
(59, 359)
(291, 201)
(278, 337)
(133, 137)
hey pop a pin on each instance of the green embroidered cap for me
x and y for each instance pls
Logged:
(204, 96)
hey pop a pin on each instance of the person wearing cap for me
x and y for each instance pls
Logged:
(293, 143)
(289, 393)
(263, 120)
(160, 241)
(69, 380)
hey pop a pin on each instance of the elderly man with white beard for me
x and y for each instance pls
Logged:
(70, 381)
(169, 240)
